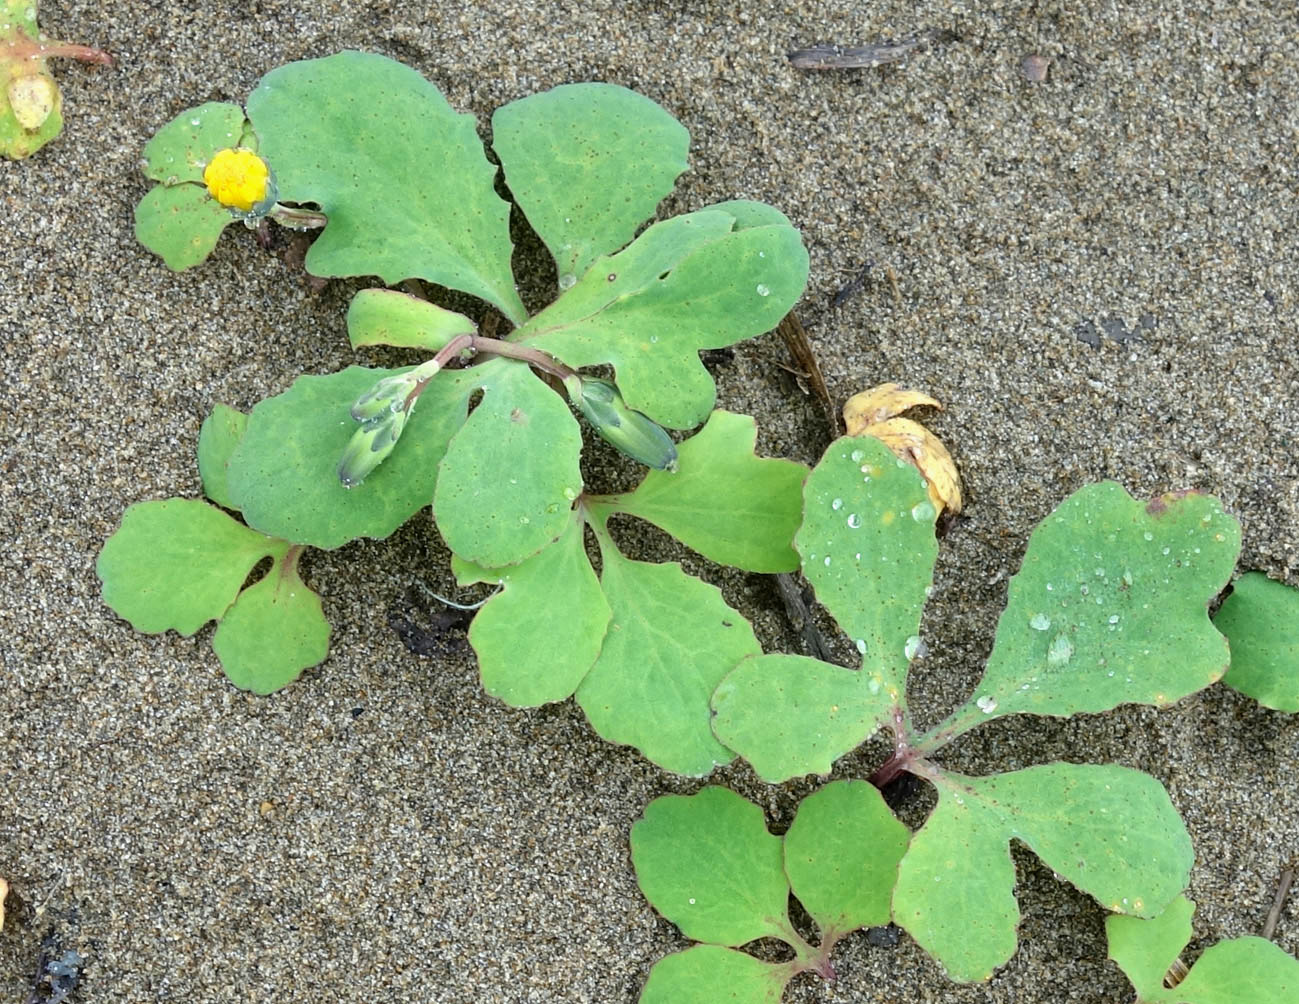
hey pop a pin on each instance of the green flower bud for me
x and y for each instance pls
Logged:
(369, 447)
(386, 396)
(627, 430)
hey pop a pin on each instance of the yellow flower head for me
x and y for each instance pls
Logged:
(238, 179)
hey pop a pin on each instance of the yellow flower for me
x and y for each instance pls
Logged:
(238, 179)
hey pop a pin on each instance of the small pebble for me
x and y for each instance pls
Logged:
(1035, 68)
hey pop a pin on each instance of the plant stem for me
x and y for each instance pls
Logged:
(487, 346)
(807, 958)
(296, 218)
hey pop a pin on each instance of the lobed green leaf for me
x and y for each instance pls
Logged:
(530, 649)
(274, 631)
(841, 857)
(403, 178)
(180, 150)
(671, 640)
(176, 564)
(731, 506)
(707, 863)
(389, 317)
(1261, 621)
(791, 715)
(1241, 971)
(709, 974)
(283, 473)
(1109, 830)
(868, 548)
(217, 439)
(180, 223)
(1110, 607)
(506, 486)
(587, 164)
(689, 283)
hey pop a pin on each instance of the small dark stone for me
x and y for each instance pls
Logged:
(884, 937)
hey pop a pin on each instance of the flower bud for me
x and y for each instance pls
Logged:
(627, 430)
(388, 394)
(369, 447)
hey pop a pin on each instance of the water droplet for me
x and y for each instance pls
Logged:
(857, 556)
(570, 494)
(1040, 622)
(763, 254)
(827, 561)
(1148, 535)
(854, 521)
(1049, 587)
(856, 456)
(1114, 618)
(654, 339)
(1166, 550)
(567, 281)
(986, 704)
(913, 647)
(692, 901)
(923, 512)
(1083, 589)
(1127, 578)
(195, 121)
(836, 505)
(524, 520)
(1100, 573)
(763, 290)
(861, 645)
(873, 684)
(1060, 652)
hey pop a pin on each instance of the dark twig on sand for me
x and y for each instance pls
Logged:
(1278, 901)
(838, 57)
(796, 610)
(791, 330)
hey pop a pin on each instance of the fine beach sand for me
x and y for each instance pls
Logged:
(1097, 274)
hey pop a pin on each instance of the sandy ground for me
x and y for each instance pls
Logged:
(1096, 273)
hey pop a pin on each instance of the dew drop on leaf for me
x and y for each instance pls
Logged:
(986, 704)
(567, 281)
(1060, 652)
(913, 647)
(1040, 622)
(763, 289)
(922, 512)
(854, 521)
(836, 505)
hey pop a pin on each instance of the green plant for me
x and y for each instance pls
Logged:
(643, 645)
(707, 863)
(1261, 621)
(31, 106)
(1239, 971)
(1109, 607)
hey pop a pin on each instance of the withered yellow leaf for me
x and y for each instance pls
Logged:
(880, 403)
(875, 413)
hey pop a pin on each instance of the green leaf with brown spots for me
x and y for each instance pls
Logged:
(703, 280)
(274, 631)
(404, 180)
(723, 501)
(180, 223)
(1261, 621)
(283, 474)
(1110, 831)
(709, 974)
(506, 486)
(1110, 607)
(671, 640)
(177, 564)
(587, 163)
(217, 439)
(1240, 971)
(707, 863)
